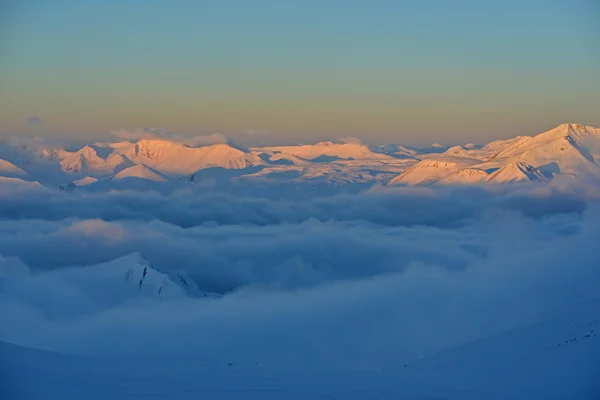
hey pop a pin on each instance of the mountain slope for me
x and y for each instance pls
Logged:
(570, 150)
(9, 169)
(142, 172)
(432, 170)
(465, 176)
(516, 172)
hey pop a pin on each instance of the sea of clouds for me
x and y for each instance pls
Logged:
(377, 277)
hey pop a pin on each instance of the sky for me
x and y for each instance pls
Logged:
(297, 72)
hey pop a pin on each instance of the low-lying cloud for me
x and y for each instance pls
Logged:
(375, 278)
(351, 140)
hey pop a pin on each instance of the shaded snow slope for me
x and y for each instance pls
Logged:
(6, 182)
(556, 358)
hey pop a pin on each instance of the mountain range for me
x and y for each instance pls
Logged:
(567, 153)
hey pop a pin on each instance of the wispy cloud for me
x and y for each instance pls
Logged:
(33, 120)
(351, 140)
(160, 133)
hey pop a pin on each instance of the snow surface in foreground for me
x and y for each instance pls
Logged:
(558, 358)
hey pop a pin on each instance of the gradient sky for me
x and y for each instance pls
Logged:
(412, 72)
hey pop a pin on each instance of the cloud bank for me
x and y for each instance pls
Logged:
(376, 278)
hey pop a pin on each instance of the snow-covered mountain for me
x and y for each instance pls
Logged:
(396, 150)
(163, 156)
(569, 150)
(132, 276)
(87, 160)
(567, 153)
(141, 171)
(176, 159)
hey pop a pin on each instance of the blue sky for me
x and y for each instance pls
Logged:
(386, 71)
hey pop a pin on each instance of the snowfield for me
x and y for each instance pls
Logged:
(556, 358)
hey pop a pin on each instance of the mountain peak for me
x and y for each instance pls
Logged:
(572, 126)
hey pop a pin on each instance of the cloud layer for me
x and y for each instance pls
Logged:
(375, 278)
